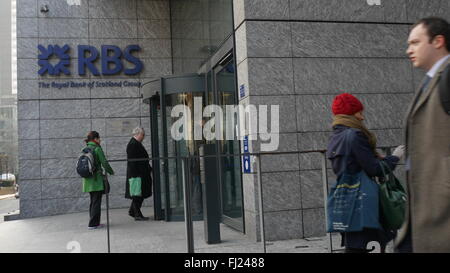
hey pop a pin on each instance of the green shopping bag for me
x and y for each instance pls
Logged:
(135, 186)
(392, 200)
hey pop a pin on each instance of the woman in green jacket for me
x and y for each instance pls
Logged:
(94, 185)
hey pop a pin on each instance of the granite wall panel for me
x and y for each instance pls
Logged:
(53, 122)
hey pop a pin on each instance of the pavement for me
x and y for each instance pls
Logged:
(8, 203)
(69, 233)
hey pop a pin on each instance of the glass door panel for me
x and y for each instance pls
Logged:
(231, 178)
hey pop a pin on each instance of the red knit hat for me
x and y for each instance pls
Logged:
(346, 104)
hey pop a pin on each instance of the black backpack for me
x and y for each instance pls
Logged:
(86, 163)
(444, 89)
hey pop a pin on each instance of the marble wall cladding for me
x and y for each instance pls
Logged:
(392, 11)
(61, 148)
(65, 128)
(112, 9)
(286, 112)
(64, 205)
(156, 67)
(311, 189)
(314, 222)
(27, 47)
(62, 109)
(268, 39)
(238, 13)
(113, 28)
(274, 76)
(62, 188)
(27, 28)
(28, 110)
(30, 189)
(283, 225)
(119, 127)
(155, 48)
(108, 108)
(155, 10)
(354, 75)
(250, 188)
(63, 28)
(30, 208)
(312, 50)
(26, 8)
(281, 191)
(154, 29)
(59, 168)
(54, 122)
(28, 90)
(313, 141)
(252, 225)
(348, 40)
(120, 168)
(116, 147)
(117, 184)
(28, 129)
(418, 9)
(267, 9)
(29, 149)
(314, 112)
(241, 44)
(30, 169)
(62, 9)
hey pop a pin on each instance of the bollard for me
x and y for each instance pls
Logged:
(261, 208)
(325, 196)
(187, 205)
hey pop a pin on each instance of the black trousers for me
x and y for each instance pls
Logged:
(95, 208)
(135, 208)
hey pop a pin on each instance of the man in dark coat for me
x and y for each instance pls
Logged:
(142, 169)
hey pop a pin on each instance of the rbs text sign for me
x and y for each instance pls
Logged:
(111, 58)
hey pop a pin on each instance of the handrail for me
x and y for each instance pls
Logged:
(187, 185)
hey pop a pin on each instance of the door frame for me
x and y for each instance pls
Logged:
(210, 69)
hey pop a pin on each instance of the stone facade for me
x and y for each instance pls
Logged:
(299, 54)
(53, 122)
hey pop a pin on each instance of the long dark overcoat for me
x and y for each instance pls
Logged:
(142, 169)
(427, 134)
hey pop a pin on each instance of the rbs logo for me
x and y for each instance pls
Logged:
(111, 60)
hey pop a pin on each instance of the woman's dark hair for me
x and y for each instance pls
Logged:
(436, 26)
(91, 136)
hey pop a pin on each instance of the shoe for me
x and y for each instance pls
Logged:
(141, 218)
(131, 214)
(96, 227)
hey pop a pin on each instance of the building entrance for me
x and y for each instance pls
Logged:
(218, 87)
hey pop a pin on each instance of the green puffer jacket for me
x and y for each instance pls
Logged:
(95, 183)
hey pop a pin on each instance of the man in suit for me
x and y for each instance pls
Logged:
(427, 132)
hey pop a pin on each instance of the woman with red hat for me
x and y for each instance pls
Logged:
(361, 155)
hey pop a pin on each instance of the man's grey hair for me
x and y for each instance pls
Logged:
(138, 130)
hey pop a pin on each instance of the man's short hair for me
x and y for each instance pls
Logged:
(138, 130)
(436, 26)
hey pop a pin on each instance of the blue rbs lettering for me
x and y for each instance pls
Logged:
(111, 56)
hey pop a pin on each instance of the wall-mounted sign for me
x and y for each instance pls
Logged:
(246, 158)
(242, 91)
(110, 56)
